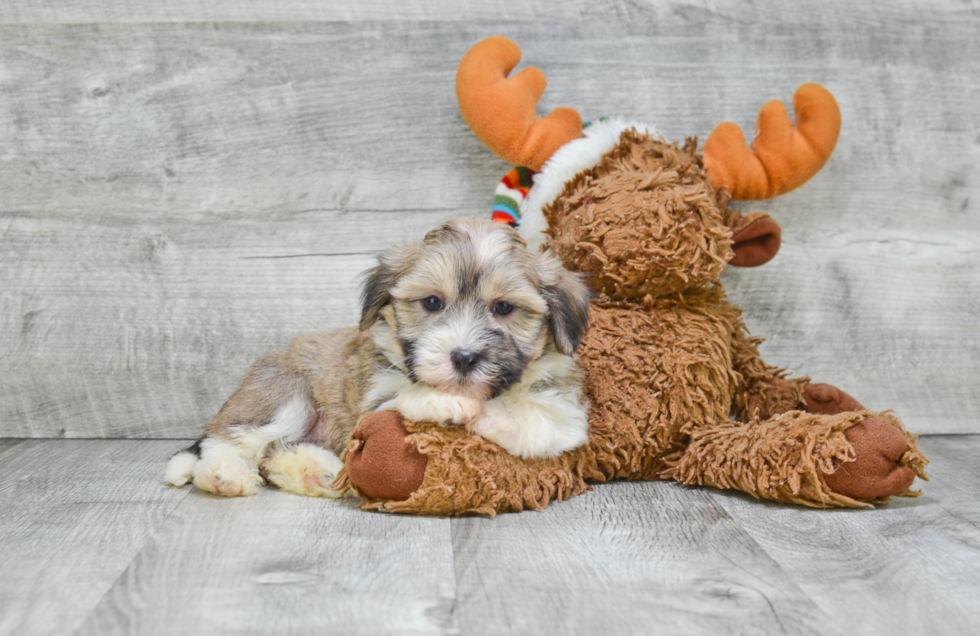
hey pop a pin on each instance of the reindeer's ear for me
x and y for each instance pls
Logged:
(755, 240)
(376, 292)
(568, 299)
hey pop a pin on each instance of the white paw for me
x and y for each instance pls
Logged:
(180, 468)
(457, 409)
(223, 471)
(305, 469)
(434, 406)
(534, 425)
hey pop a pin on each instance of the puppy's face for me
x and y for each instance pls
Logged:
(468, 308)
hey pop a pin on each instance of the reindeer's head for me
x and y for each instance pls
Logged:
(616, 201)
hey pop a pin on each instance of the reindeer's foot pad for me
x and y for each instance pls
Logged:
(825, 399)
(304, 469)
(223, 471)
(883, 466)
(381, 464)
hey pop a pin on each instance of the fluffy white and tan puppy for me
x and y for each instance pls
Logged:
(467, 327)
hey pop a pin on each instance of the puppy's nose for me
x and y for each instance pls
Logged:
(464, 360)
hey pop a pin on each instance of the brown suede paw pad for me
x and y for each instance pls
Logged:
(878, 445)
(384, 465)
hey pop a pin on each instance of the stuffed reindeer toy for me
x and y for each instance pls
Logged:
(676, 386)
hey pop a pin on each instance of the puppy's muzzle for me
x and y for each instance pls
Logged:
(464, 360)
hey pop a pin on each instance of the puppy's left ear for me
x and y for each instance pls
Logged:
(378, 282)
(568, 299)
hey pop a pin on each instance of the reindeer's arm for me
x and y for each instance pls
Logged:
(761, 386)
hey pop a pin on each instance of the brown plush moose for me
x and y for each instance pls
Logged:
(677, 387)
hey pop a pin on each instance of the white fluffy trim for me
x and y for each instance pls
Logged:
(569, 160)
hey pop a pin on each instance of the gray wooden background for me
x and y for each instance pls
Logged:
(185, 185)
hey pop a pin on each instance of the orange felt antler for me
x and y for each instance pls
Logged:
(782, 157)
(501, 110)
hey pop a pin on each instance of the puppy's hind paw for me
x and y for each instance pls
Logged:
(180, 469)
(305, 469)
(222, 471)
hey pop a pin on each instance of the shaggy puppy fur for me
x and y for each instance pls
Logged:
(467, 327)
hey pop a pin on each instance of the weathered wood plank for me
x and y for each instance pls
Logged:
(145, 332)
(75, 513)
(776, 12)
(955, 462)
(94, 542)
(912, 565)
(881, 319)
(629, 558)
(144, 165)
(116, 11)
(189, 117)
(277, 563)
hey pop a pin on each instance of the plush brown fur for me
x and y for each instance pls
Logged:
(677, 386)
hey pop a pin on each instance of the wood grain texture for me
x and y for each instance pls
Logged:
(179, 198)
(911, 566)
(755, 12)
(626, 559)
(75, 513)
(96, 543)
(7, 444)
(278, 563)
(959, 466)
(125, 11)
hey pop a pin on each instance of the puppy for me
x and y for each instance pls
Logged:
(467, 327)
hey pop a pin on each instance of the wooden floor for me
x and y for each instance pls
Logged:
(94, 543)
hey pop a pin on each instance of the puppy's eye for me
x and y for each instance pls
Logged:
(433, 304)
(502, 308)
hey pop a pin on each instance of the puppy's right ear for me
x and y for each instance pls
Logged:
(378, 282)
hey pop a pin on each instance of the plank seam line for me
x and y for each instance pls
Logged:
(311, 255)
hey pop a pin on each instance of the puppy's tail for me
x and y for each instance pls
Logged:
(180, 468)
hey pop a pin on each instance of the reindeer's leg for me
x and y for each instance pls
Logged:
(877, 442)
(849, 459)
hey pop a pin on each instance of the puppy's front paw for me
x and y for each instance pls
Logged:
(460, 410)
(534, 426)
(443, 408)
